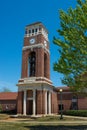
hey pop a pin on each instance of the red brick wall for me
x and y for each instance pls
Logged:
(47, 65)
(8, 105)
(40, 62)
(54, 107)
(40, 102)
(67, 101)
(20, 103)
(41, 66)
(29, 93)
(66, 104)
(82, 103)
(38, 39)
(24, 72)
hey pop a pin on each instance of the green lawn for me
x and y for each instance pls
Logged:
(26, 126)
(42, 123)
(4, 116)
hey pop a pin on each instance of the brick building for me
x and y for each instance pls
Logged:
(36, 93)
(8, 101)
(70, 100)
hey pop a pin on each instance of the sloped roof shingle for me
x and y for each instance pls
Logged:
(8, 95)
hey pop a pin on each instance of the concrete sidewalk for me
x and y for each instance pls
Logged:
(67, 120)
(61, 122)
(74, 117)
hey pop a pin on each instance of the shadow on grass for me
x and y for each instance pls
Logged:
(59, 127)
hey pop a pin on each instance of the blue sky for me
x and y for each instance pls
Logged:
(14, 16)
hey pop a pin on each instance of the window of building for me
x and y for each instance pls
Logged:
(32, 64)
(32, 30)
(36, 30)
(39, 29)
(74, 105)
(29, 31)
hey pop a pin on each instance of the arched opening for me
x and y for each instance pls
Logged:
(32, 64)
(45, 65)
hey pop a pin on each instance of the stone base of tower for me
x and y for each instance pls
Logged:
(36, 98)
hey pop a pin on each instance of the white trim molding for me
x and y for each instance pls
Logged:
(24, 103)
(39, 45)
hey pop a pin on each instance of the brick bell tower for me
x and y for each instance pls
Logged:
(35, 87)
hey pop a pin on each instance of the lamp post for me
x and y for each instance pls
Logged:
(61, 108)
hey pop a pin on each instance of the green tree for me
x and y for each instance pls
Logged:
(5, 89)
(72, 45)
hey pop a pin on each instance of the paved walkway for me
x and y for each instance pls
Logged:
(75, 117)
(69, 120)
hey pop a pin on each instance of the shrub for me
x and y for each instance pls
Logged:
(0, 108)
(76, 113)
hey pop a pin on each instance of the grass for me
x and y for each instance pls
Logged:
(27, 126)
(55, 118)
(37, 124)
(4, 116)
(49, 118)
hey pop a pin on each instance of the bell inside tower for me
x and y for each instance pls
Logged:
(32, 64)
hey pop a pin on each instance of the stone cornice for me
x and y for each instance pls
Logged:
(38, 86)
(39, 45)
(40, 82)
(33, 79)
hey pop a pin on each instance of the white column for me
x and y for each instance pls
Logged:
(24, 105)
(46, 102)
(34, 102)
(49, 101)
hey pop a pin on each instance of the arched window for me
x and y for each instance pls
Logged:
(32, 64)
(45, 65)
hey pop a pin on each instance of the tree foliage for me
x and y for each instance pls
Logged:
(5, 89)
(73, 46)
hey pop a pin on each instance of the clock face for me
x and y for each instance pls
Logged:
(32, 41)
(45, 43)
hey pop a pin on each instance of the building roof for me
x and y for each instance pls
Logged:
(34, 24)
(37, 23)
(8, 95)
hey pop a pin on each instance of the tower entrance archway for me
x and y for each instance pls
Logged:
(30, 107)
